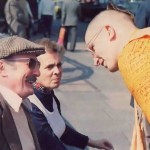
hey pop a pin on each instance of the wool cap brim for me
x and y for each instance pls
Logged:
(13, 45)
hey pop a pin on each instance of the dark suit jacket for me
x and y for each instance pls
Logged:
(9, 138)
(142, 16)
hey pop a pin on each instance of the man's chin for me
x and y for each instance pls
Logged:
(55, 85)
(113, 69)
(30, 92)
(25, 95)
(52, 86)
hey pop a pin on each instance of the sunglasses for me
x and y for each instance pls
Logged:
(32, 62)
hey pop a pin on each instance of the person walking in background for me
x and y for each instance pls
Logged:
(51, 128)
(142, 15)
(69, 20)
(17, 17)
(45, 15)
(18, 70)
(117, 44)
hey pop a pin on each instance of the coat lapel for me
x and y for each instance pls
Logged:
(9, 127)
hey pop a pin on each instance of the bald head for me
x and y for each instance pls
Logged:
(106, 36)
(118, 20)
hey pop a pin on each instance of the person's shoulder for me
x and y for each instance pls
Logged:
(145, 31)
(141, 33)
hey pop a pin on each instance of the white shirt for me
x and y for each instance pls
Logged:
(46, 7)
(19, 117)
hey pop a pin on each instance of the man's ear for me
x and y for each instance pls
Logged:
(111, 32)
(2, 69)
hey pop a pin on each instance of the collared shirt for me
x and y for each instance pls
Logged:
(19, 117)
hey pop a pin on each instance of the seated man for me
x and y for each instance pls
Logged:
(51, 128)
(18, 68)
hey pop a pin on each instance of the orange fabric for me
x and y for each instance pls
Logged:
(134, 65)
(138, 137)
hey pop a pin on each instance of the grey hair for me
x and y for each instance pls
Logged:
(51, 46)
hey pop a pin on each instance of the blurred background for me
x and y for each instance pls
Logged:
(89, 8)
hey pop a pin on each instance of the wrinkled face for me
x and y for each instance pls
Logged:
(103, 49)
(50, 70)
(20, 72)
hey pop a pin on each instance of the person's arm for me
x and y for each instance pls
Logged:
(100, 144)
(73, 138)
(46, 136)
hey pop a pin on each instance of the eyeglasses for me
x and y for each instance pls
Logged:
(92, 40)
(32, 62)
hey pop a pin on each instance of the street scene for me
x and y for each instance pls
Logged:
(93, 100)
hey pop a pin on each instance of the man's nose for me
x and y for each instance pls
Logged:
(98, 61)
(57, 70)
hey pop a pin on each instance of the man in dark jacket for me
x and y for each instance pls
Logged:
(18, 68)
(51, 128)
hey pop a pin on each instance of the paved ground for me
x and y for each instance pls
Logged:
(93, 100)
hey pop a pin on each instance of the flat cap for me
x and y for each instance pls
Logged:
(11, 45)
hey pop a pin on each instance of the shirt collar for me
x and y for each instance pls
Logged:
(12, 98)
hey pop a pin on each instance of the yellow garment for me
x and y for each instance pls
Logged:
(134, 65)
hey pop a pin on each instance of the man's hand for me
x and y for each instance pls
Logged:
(101, 144)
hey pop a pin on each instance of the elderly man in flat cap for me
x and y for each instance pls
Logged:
(18, 70)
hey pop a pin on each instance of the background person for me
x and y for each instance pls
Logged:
(69, 20)
(17, 17)
(46, 113)
(18, 68)
(45, 15)
(117, 44)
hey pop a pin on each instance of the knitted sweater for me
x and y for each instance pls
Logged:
(134, 65)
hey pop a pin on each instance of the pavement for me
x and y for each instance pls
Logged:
(94, 101)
